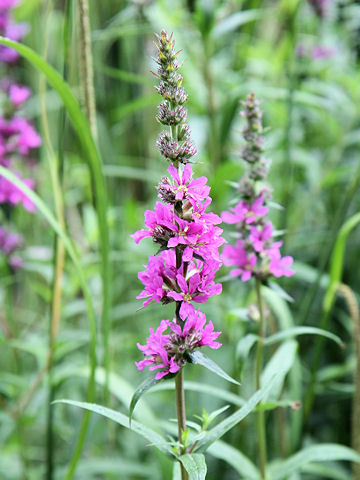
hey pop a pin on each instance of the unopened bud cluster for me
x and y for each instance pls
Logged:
(174, 145)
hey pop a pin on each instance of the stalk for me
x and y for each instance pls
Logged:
(86, 66)
(260, 415)
(181, 415)
(58, 263)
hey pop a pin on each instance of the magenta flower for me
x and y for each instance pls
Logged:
(156, 351)
(238, 257)
(187, 188)
(198, 288)
(26, 136)
(199, 214)
(279, 266)
(160, 224)
(15, 32)
(186, 233)
(245, 212)
(167, 351)
(259, 236)
(195, 333)
(19, 94)
(159, 277)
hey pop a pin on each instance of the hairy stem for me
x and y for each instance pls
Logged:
(180, 413)
(260, 415)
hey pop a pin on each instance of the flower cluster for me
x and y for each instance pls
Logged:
(10, 29)
(255, 252)
(183, 271)
(167, 352)
(18, 137)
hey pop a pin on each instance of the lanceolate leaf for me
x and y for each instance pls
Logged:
(295, 331)
(315, 453)
(243, 348)
(280, 362)
(145, 385)
(195, 465)
(201, 359)
(235, 458)
(217, 432)
(154, 438)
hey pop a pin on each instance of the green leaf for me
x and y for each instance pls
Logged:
(223, 427)
(143, 387)
(337, 261)
(204, 388)
(279, 308)
(234, 21)
(280, 362)
(295, 331)
(157, 440)
(195, 465)
(315, 453)
(201, 359)
(235, 458)
(243, 349)
(280, 291)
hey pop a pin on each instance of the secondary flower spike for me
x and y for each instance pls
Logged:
(188, 237)
(255, 253)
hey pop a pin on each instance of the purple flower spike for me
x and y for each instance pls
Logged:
(184, 270)
(255, 253)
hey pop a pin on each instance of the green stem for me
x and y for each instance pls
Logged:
(260, 415)
(86, 64)
(181, 415)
